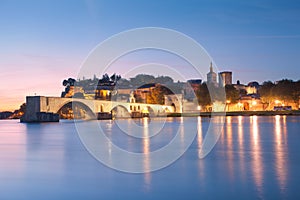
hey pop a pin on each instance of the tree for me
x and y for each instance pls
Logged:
(243, 92)
(23, 108)
(284, 90)
(164, 80)
(142, 79)
(105, 78)
(123, 83)
(266, 92)
(109, 80)
(157, 95)
(296, 93)
(232, 94)
(67, 83)
(203, 95)
(115, 78)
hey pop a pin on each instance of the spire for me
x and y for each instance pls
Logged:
(211, 67)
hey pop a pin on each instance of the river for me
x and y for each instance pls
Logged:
(256, 157)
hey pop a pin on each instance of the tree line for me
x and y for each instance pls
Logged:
(284, 90)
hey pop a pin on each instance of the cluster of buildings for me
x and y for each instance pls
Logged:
(183, 93)
(249, 98)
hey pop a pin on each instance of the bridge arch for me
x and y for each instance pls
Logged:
(151, 111)
(174, 107)
(75, 110)
(120, 111)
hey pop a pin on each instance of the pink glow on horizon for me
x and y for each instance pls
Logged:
(24, 75)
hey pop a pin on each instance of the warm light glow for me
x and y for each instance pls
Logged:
(199, 145)
(241, 144)
(228, 101)
(229, 144)
(279, 146)
(254, 103)
(277, 125)
(255, 129)
(277, 101)
(146, 150)
(257, 166)
(199, 135)
(145, 110)
(228, 120)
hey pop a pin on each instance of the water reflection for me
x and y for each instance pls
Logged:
(229, 141)
(47, 142)
(109, 125)
(240, 132)
(279, 148)
(38, 159)
(12, 150)
(199, 135)
(257, 165)
(199, 146)
(241, 145)
(182, 132)
(146, 152)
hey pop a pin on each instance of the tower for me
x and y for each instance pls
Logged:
(211, 75)
(225, 78)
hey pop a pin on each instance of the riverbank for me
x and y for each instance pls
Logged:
(236, 113)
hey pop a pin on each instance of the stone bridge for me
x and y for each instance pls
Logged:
(38, 104)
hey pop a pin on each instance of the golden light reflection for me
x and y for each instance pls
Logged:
(257, 165)
(229, 142)
(108, 131)
(277, 126)
(240, 132)
(229, 131)
(181, 126)
(146, 151)
(199, 135)
(255, 129)
(241, 144)
(199, 145)
(279, 148)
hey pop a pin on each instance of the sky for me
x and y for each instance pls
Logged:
(44, 42)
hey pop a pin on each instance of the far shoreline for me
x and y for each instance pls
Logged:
(236, 113)
(229, 113)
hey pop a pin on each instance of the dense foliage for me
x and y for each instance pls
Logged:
(284, 90)
(157, 95)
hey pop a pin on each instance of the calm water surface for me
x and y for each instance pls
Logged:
(255, 158)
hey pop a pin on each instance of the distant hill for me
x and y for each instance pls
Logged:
(5, 115)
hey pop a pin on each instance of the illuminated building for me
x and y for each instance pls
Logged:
(225, 78)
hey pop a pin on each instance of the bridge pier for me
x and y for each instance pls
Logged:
(34, 113)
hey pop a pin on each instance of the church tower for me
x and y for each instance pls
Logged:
(211, 76)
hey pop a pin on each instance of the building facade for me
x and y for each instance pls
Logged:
(225, 78)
